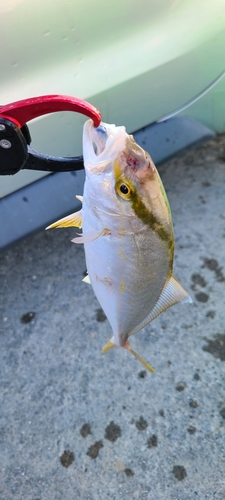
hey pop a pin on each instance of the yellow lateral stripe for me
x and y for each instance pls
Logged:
(139, 208)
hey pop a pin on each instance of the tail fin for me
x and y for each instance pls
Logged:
(127, 346)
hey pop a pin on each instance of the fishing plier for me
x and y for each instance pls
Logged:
(15, 151)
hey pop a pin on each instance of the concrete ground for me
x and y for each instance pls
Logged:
(78, 424)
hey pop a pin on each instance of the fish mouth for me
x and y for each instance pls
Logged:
(102, 144)
(99, 138)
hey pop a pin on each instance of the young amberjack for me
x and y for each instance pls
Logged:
(127, 233)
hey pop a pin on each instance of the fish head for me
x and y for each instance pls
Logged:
(123, 174)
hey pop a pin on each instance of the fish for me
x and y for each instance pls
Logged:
(127, 232)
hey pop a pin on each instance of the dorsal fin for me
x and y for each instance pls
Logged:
(172, 293)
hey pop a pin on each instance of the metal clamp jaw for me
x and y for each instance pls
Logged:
(15, 151)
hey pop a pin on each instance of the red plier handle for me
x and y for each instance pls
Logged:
(21, 112)
(15, 153)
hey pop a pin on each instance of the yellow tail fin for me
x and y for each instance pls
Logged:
(127, 346)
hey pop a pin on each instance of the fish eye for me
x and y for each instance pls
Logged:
(124, 189)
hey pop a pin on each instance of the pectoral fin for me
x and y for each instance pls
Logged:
(74, 220)
(172, 293)
(91, 236)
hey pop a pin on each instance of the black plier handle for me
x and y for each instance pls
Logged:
(15, 151)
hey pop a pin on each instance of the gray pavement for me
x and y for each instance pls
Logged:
(78, 424)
